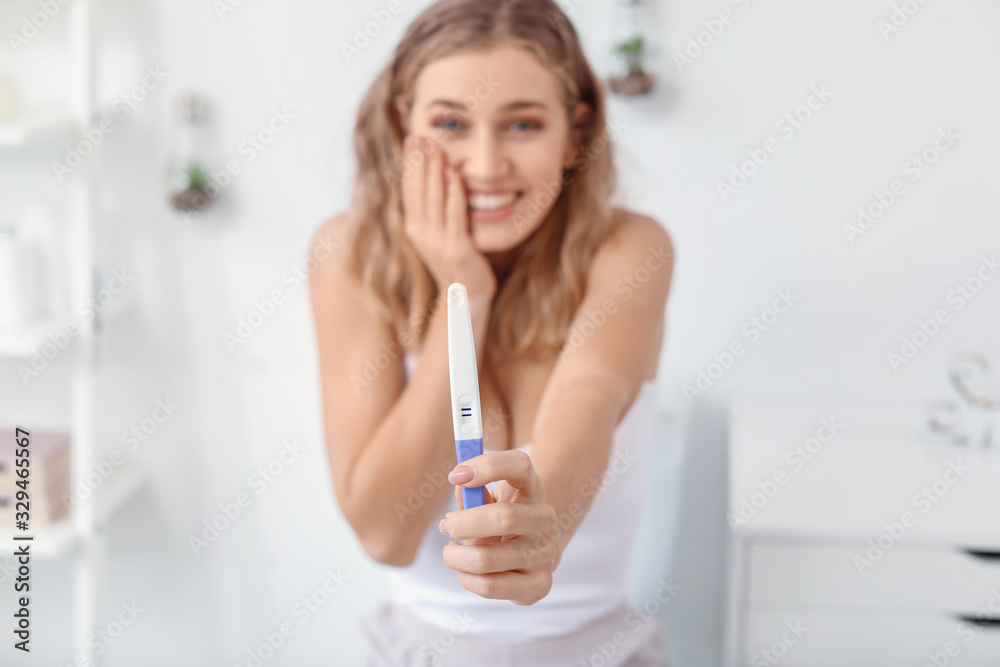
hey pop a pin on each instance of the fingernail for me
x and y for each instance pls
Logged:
(461, 474)
(443, 526)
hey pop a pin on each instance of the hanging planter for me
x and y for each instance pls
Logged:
(188, 180)
(635, 80)
(633, 49)
(190, 193)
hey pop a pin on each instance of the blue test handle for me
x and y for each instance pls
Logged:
(467, 449)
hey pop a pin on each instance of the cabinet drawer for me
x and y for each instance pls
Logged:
(907, 581)
(838, 639)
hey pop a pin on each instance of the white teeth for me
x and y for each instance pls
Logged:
(491, 202)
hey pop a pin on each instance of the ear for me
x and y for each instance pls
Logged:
(579, 118)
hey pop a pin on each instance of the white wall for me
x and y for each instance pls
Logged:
(783, 230)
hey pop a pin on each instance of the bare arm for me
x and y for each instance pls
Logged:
(595, 383)
(386, 439)
(514, 545)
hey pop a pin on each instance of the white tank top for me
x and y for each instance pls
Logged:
(592, 577)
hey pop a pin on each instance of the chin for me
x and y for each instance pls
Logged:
(497, 238)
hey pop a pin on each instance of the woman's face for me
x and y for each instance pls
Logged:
(499, 117)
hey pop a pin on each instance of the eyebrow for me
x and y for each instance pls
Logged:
(516, 104)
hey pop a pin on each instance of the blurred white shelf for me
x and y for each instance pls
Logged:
(35, 130)
(26, 342)
(56, 539)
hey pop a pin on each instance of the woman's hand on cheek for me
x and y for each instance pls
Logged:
(436, 219)
(510, 546)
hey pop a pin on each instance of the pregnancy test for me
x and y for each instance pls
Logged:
(466, 414)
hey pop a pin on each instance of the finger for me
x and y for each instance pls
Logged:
(456, 206)
(483, 559)
(434, 208)
(497, 520)
(496, 585)
(513, 466)
(487, 497)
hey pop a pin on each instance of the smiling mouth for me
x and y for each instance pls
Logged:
(494, 202)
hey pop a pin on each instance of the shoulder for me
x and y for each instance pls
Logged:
(337, 291)
(330, 238)
(636, 240)
(327, 263)
(329, 252)
(631, 228)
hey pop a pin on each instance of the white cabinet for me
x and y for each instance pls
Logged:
(854, 539)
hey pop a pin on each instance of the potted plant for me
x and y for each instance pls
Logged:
(190, 192)
(635, 80)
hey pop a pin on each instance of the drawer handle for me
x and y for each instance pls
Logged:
(984, 555)
(980, 621)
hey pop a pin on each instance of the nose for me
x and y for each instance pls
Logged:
(483, 159)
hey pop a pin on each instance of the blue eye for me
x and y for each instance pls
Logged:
(531, 125)
(454, 125)
(448, 124)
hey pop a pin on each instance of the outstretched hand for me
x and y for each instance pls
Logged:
(510, 547)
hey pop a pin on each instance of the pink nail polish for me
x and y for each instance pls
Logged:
(461, 474)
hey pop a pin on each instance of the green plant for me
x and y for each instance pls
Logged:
(633, 51)
(196, 176)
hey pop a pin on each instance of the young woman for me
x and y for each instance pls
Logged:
(483, 158)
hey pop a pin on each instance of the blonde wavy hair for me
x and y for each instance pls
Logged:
(533, 308)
